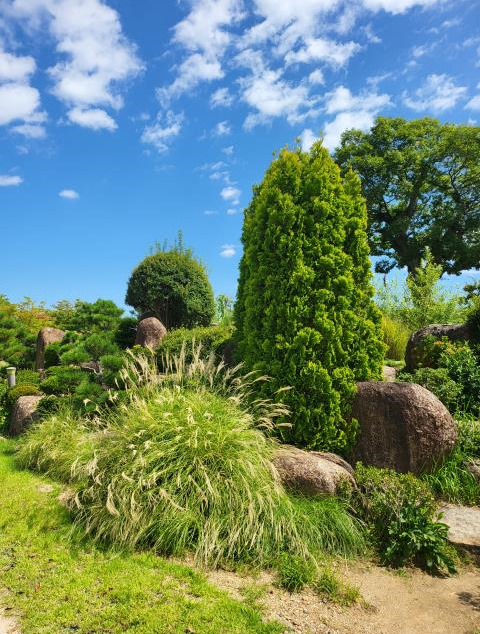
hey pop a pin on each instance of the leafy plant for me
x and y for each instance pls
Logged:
(400, 512)
(304, 314)
(437, 381)
(211, 339)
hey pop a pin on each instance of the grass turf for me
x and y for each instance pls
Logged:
(58, 582)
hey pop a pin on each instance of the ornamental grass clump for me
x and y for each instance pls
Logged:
(185, 467)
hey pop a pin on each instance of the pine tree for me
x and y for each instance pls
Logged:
(304, 314)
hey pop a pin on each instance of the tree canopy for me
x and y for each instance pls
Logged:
(421, 181)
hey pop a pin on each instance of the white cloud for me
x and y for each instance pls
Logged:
(323, 50)
(221, 97)
(163, 130)
(97, 57)
(94, 118)
(307, 139)
(438, 93)
(228, 150)
(69, 194)
(232, 211)
(316, 77)
(18, 102)
(474, 103)
(191, 72)
(228, 251)
(222, 129)
(30, 130)
(232, 194)
(342, 99)
(210, 212)
(360, 119)
(16, 69)
(397, 6)
(10, 181)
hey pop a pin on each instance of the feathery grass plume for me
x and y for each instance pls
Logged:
(185, 467)
(61, 446)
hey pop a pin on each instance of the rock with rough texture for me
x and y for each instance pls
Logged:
(45, 337)
(389, 373)
(312, 473)
(474, 467)
(454, 332)
(150, 332)
(23, 413)
(463, 524)
(403, 426)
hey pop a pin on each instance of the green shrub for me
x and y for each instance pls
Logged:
(463, 367)
(14, 393)
(395, 337)
(216, 339)
(90, 396)
(294, 572)
(304, 314)
(31, 377)
(99, 345)
(52, 354)
(174, 286)
(84, 317)
(126, 333)
(400, 511)
(62, 380)
(438, 381)
(473, 317)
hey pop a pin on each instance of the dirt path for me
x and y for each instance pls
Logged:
(414, 603)
(7, 625)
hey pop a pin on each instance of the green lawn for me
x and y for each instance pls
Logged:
(59, 583)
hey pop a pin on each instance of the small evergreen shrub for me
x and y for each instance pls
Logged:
(14, 393)
(438, 381)
(174, 286)
(31, 377)
(304, 314)
(126, 332)
(216, 339)
(400, 512)
(62, 380)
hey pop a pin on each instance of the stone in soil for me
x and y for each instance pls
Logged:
(463, 524)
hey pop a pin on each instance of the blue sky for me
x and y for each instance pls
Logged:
(124, 121)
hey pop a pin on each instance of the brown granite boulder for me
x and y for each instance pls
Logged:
(413, 353)
(45, 337)
(311, 472)
(150, 332)
(23, 413)
(403, 426)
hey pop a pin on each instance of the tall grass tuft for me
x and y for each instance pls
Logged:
(185, 467)
(395, 336)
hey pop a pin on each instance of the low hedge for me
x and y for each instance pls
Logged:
(217, 339)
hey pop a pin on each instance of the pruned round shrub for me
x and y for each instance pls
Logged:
(14, 393)
(62, 380)
(174, 287)
(212, 339)
(31, 377)
(305, 314)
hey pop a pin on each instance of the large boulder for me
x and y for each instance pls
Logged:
(403, 426)
(150, 332)
(413, 353)
(23, 413)
(45, 337)
(312, 473)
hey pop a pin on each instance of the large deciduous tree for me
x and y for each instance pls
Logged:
(421, 180)
(304, 314)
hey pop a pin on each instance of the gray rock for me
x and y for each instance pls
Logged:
(389, 374)
(45, 337)
(463, 524)
(150, 332)
(474, 467)
(454, 332)
(403, 426)
(312, 473)
(23, 414)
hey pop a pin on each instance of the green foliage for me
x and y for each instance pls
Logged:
(212, 339)
(422, 300)
(174, 286)
(400, 513)
(328, 585)
(100, 316)
(294, 572)
(421, 179)
(304, 314)
(3, 405)
(395, 337)
(438, 381)
(27, 376)
(62, 380)
(473, 319)
(14, 393)
(17, 337)
(99, 345)
(224, 310)
(126, 333)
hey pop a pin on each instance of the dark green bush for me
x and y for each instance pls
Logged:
(216, 339)
(473, 317)
(173, 286)
(126, 332)
(305, 315)
(32, 377)
(62, 380)
(111, 365)
(14, 393)
(400, 512)
(52, 354)
(99, 345)
(100, 316)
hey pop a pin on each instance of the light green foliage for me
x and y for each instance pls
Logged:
(27, 376)
(421, 179)
(224, 310)
(14, 393)
(395, 337)
(294, 572)
(422, 300)
(19, 325)
(62, 380)
(212, 339)
(328, 585)
(60, 582)
(304, 314)
(174, 286)
(437, 381)
(400, 511)
(100, 316)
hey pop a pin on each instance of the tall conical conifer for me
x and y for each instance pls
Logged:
(304, 313)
